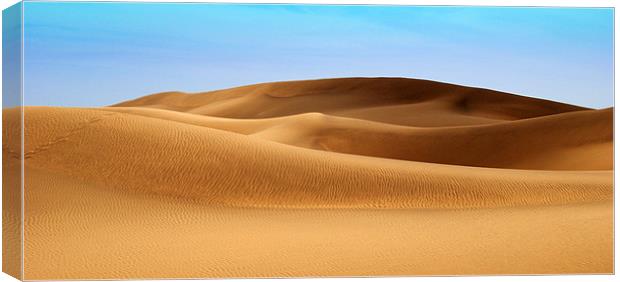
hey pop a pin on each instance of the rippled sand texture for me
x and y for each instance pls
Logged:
(336, 177)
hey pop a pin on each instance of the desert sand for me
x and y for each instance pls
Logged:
(334, 177)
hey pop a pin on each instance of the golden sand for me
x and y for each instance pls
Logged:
(337, 177)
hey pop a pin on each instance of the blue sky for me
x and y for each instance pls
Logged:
(96, 54)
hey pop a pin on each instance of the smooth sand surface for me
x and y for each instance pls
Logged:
(336, 177)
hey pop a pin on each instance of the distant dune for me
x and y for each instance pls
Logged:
(334, 177)
(389, 100)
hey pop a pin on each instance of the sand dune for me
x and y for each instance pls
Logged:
(390, 100)
(578, 140)
(338, 177)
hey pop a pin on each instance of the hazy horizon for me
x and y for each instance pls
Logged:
(98, 54)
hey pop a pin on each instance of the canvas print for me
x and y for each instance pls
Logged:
(206, 140)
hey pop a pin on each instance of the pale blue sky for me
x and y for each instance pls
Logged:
(96, 54)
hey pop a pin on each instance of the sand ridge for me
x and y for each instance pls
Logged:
(521, 144)
(336, 177)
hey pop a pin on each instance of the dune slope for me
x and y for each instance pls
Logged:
(225, 168)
